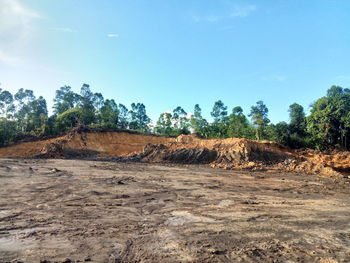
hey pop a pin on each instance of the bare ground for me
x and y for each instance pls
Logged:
(75, 211)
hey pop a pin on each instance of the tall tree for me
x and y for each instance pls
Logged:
(329, 121)
(65, 99)
(23, 100)
(198, 123)
(38, 114)
(180, 120)
(98, 101)
(238, 125)
(7, 125)
(219, 112)
(139, 118)
(297, 118)
(123, 120)
(218, 129)
(109, 113)
(86, 103)
(164, 124)
(259, 116)
(7, 106)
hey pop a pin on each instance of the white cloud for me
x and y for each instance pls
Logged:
(243, 11)
(63, 29)
(17, 28)
(235, 11)
(15, 20)
(113, 35)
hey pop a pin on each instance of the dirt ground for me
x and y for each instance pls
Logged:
(76, 211)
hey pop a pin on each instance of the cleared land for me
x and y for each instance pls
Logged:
(62, 210)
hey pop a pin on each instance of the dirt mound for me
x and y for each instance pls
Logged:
(161, 153)
(57, 150)
(82, 142)
(235, 153)
(52, 150)
(231, 153)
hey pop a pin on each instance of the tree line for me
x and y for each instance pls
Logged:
(327, 126)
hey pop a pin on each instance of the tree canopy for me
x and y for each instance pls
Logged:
(327, 125)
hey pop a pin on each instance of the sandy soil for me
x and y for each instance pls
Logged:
(76, 211)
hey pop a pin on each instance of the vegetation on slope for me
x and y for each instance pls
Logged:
(328, 125)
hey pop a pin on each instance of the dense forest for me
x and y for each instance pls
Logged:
(24, 115)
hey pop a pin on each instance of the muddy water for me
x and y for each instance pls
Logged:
(61, 210)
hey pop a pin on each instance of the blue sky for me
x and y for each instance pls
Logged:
(167, 53)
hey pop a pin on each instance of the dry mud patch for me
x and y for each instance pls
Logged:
(76, 211)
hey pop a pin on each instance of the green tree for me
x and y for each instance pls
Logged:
(218, 129)
(68, 120)
(164, 124)
(7, 125)
(219, 112)
(23, 101)
(7, 106)
(180, 121)
(109, 113)
(279, 133)
(8, 131)
(259, 116)
(86, 103)
(37, 115)
(297, 118)
(65, 99)
(124, 116)
(329, 121)
(238, 125)
(198, 123)
(139, 119)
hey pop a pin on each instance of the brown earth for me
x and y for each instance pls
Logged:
(74, 210)
(103, 144)
(55, 210)
(231, 153)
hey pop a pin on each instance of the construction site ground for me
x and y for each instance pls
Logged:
(55, 210)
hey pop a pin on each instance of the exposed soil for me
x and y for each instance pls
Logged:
(74, 210)
(231, 153)
(80, 142)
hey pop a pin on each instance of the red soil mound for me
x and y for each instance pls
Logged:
(231, 153)
(82, 143)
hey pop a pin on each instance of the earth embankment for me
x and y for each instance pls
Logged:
(230, 153)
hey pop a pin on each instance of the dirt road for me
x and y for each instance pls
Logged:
(76, 211)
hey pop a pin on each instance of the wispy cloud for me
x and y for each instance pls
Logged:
(276, 77)
(242, 11)
(17, 28)
(234, 11)
(15, 20)
(63, 29)
(8, 59)
(113, 35)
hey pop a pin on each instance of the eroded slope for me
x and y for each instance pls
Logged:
(231, 153)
